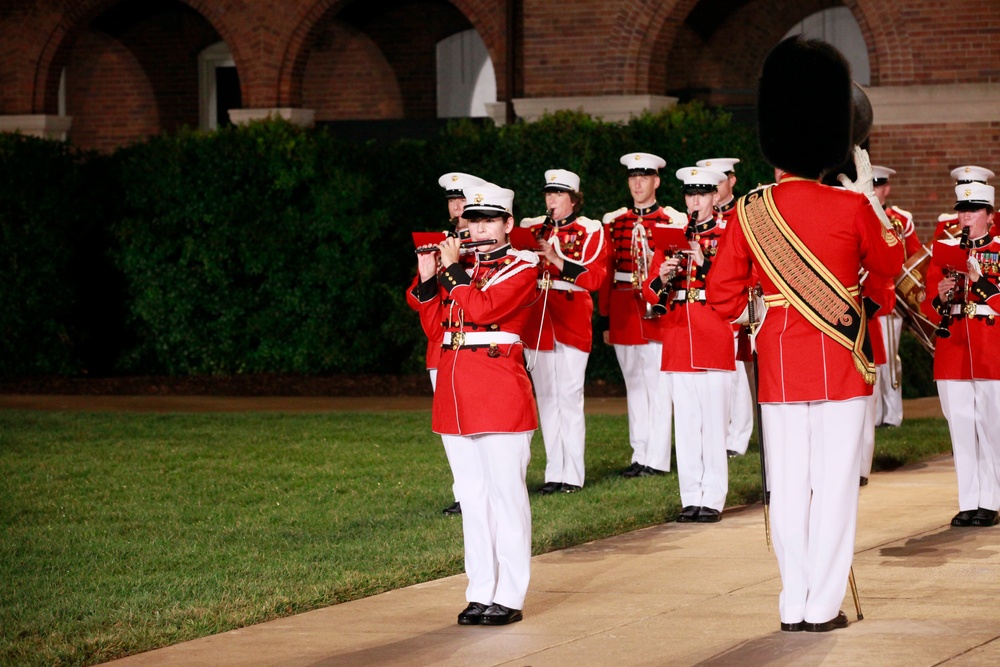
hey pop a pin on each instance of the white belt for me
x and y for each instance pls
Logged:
(682, 295)
(973, 309)
(561, 285)
(480, 338)
(623, 277)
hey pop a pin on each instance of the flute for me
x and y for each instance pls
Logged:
(465, 245)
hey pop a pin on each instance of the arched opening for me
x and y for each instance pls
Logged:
(218, 86)
(133, 72)
(838, 26)
(466, 81)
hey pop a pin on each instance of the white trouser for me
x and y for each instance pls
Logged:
(558, 378)
(889, 401)
(649, 399)
(972, 408)
(813, 455)
(740, 411)
(701, 409)
(868, 436)
(434, 376)
(496, 515)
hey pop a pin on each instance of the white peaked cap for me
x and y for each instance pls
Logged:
(723, 164)
(489, 198)
(882, 174)
(697, 177)
(970, 173)
(973, 195)
(455, 182)
(561, 180)
(646, 162)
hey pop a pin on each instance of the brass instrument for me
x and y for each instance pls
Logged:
(661, 306)
(466, 245)
(945, 310)
(641, 256)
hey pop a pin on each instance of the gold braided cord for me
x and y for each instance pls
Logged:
(801, 278)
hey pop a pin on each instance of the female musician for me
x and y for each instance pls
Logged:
(966, 366)
(483, 407)
(559, 332)
(698, 354)
(454, 184)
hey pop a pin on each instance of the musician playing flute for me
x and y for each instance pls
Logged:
(698, 353)
(559, 332)
(483, 406)
(966, 364)
(808, 243)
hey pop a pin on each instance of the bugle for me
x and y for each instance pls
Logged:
(640, 267)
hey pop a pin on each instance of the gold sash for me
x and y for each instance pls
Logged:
(803, 279)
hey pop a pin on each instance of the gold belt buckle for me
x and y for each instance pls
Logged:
(692, 295)
(544, 283)
(457, 339)
(970, 309)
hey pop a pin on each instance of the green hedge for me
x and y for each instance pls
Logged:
(269, 248)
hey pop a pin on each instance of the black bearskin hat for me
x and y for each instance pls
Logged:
(804, 107)
(862, 118)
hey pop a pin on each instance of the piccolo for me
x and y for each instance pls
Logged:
(465, 245)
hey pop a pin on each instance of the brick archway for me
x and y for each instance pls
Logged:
(486, 17)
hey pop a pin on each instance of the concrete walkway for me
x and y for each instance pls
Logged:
(676, 594)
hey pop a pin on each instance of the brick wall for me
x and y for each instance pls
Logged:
(923, 157)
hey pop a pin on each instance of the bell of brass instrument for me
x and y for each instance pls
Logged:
(641, 257)
(945, 311)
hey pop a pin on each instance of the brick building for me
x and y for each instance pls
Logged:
(108, 72)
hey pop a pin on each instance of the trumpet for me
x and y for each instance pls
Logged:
(945, 310)
(466, 246)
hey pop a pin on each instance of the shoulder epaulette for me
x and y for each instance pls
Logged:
(676, 217)
(590, 225)
(905, 214)
(613, 215)
(531, 222)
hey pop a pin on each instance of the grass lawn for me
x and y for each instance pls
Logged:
(126, 532)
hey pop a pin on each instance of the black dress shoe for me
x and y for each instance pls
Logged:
(963, 519)
(732, 454)
(454, 508)
(688, 514)
(473, 614)
(864, 481)
(985, 518)
(840, 621)
(497, 614)
(793, 627)
(549, 487)
(570, 488)
(650, 472)
(633, 470)
(708, 515)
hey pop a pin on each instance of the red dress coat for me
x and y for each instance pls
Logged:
(695, 337)
(434, 328)
(566, 315)
(796, 361)
(970, 353)
(620, 301)
(483, 387)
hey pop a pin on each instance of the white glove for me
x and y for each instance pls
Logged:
(863, 165)
(975, 273)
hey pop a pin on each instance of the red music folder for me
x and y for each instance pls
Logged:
(947, 254)
(421, 239)
(670, 238)
(521, 238)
